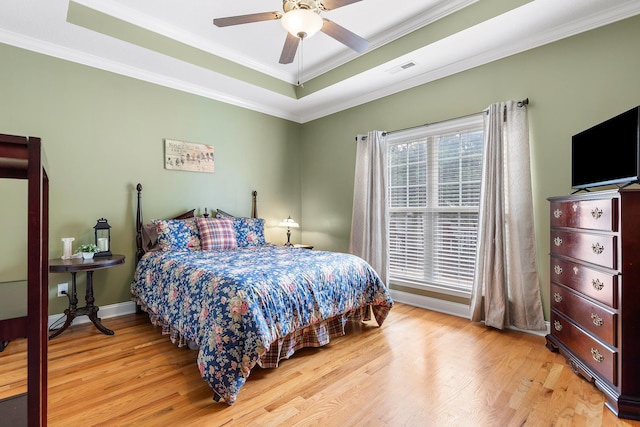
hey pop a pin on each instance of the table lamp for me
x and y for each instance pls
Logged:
(289, 223)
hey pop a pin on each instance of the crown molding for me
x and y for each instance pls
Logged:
(430, 16)
(331, 100)
(163, 28)
(512, 46)
(56, 51)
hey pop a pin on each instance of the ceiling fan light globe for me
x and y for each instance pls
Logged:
(302, 22)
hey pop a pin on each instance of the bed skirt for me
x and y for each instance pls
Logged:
(316, 335)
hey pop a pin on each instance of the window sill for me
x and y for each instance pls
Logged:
(431, 288)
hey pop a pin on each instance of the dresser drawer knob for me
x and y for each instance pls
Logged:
(597, 320)
(557, 297)
(596, 213)
(557, 325)
(597, 284)
(558, 270)
(557, 241)
(597, 248)
(557, 213)
(597, 356)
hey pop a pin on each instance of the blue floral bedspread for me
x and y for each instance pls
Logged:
(234, 303)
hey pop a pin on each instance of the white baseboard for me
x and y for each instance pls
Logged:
(105, 312)
(447, 307)
(435, 304)
(541, 333)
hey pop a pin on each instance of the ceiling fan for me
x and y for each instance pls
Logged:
(301, 19)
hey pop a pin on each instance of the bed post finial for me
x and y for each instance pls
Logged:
(254, 204)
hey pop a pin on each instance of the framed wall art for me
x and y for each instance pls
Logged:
(188, 156)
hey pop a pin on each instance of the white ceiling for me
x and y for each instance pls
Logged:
(43, 26)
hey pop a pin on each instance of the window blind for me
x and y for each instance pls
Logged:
(434, 194)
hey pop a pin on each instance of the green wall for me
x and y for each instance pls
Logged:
(572, 84)
(103, 133)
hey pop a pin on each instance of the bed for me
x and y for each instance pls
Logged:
(215, 284)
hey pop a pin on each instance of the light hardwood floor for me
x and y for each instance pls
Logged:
(421, 368)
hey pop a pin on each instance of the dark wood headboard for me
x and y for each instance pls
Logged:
(184, 215)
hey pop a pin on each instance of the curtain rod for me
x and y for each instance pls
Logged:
(520, 103)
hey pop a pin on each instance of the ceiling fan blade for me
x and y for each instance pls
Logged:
(246, 19)
(289, 50)
(344, 36)
(334, 4)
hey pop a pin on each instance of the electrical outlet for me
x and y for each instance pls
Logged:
(63, 287)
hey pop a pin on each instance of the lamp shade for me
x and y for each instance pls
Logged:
(302, 23)
(289, 223)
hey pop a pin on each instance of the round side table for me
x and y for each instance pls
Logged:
(74, 266)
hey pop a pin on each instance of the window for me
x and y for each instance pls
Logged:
(434, 196)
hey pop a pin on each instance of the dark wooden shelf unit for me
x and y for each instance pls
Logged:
(23, 158)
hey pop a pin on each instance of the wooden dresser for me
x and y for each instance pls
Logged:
(595, 291)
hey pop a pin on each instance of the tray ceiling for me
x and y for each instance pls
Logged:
(413, 42)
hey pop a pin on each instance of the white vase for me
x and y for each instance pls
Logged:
(66, 252)
(87, 255)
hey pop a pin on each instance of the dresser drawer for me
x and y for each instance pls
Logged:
(598, 249)
(600, 322)
(592, 352)
(595, 284)
(591, 214)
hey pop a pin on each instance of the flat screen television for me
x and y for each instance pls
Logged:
(607, 153)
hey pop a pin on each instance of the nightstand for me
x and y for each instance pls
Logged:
(303, 246)
(76, 265)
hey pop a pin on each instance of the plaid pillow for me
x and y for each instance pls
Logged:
(249, 231)
(217, 233)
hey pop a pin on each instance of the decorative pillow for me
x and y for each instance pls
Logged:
(217, 233)
(149, 236)
(249, 232)
(178, 234)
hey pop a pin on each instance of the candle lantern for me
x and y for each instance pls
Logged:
(103, 237)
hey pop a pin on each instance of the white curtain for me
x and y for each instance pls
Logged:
(369, 218)
(506, 289)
